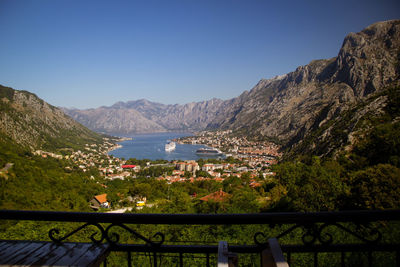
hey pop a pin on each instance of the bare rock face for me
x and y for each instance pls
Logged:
(33, 123)
(285, 108)
(367, 60)
(115, 120)
(143, 116)
(289, 107)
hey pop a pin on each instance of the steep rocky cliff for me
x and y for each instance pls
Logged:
(290, 107)
(32, 123)
(286, 108)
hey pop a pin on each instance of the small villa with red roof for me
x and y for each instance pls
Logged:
(218, 196)
(99, 201)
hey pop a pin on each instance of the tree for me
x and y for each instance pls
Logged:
(376, 187)
(314, 187)
(244, 200)
(231, 184)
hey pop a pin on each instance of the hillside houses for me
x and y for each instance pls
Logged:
(99, 201)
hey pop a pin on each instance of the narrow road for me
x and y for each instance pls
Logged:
(120, 210)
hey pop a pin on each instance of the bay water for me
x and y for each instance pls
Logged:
(152, 146)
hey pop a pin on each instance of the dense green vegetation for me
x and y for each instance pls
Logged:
(365, 177)
(36, 183)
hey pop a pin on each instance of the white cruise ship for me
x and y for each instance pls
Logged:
(170, 146)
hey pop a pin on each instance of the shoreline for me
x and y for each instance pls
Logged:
(117, 146)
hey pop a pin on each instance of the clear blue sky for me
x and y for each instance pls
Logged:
(86, 54)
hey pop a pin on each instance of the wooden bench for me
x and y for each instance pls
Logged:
(23, 253)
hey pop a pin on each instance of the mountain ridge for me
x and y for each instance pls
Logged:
(289, 107)
(30, 122)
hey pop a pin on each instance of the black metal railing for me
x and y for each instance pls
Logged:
(346, 234)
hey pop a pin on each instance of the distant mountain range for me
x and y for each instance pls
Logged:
(285, 108)
(143, 116)
(314, 108)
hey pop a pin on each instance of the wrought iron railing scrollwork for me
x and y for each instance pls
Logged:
(113, 238)
(331, 232)
(312, 233)
(106, 234)
(54, 232)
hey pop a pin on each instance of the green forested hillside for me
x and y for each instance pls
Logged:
(34, 124)
(29, 181)
(36, 183)
(358, 171)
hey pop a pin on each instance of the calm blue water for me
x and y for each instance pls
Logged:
(152, 146)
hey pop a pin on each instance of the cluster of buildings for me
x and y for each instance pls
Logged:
(95, 156)
(46, 154)
(188, 166)
(216, 172)
(256, 154)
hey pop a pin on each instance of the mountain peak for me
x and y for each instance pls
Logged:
(288, 107)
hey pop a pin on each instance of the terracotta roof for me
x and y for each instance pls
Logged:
(128, 166)
(216, 196)
(101, 198)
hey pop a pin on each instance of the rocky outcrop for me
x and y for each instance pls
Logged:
(368, 60)
(289, 107)
(286, 108)
(33, 123)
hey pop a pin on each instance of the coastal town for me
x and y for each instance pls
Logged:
(242, 158)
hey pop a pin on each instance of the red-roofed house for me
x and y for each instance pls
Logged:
(128, 166)
(99, 201)
(136, 168)
(218, 196)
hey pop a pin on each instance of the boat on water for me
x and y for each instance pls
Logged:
(170, 146)
(209, 151)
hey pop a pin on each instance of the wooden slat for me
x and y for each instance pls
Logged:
(83, 254)
(4, 244)
(23, 253)
(93, 256)
(12, 249)
(54, 254)
(49, 254)
(72, 255)
(37, 254)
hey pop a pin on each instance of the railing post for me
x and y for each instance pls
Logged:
(226, 259)
(273, 256)
(223, 254)
(155, 259)
(129, 259)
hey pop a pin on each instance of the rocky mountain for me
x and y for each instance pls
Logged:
(32, 123)
(287, 108)
(291, 107)
(142, 116)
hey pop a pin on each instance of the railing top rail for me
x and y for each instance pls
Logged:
(204, 219)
